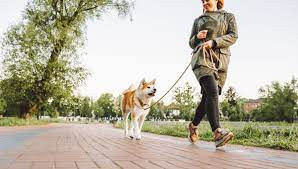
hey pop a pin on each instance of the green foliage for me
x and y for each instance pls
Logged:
(106, 103)
(184, 100)
(157, 111)
(13, 121)
(40, 60)
(279, 102)
(271, 135)
(3, 106)
(98, 111)
(86, 107)
(66, 106)
(54, 114)
(232, 106)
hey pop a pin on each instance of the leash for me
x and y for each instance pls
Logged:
(213, 67)
(211, 52)
(170, 87)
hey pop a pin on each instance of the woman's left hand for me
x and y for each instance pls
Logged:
(208, 44)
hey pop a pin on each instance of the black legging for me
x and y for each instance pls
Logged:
(209, 103)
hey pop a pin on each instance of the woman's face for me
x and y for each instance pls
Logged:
(209, 5)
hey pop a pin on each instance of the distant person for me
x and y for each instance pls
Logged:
(214, 31)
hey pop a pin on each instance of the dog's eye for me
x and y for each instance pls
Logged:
(148, 87)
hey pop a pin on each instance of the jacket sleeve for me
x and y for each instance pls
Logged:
(231, 36)
(193, 40)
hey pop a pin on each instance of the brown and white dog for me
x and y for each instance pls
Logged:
(135, 102)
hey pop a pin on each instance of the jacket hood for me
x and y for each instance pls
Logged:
(218, 11)
(211, 14)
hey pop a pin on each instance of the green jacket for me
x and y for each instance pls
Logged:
(222, 29)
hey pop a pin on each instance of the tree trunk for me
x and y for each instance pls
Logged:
(42, 94)
(38, 115)
(27, 111)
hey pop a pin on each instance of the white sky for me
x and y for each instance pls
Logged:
(155, 44)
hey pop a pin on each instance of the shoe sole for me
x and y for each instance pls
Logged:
(227, 138)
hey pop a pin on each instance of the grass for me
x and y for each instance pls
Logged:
(14, 121)
(275, 135)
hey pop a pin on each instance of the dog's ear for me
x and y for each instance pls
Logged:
(143, 81)
(153, 81)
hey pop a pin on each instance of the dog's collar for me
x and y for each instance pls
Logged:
(141, 103)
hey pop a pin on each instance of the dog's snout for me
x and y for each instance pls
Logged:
(154, 90)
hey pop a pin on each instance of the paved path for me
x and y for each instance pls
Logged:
(80, 146)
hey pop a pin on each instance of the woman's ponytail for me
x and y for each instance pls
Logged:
(220, 4)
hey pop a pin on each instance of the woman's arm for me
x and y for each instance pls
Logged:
(231, 36)
(193, 40)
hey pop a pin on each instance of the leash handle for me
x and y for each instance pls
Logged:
(211, 52)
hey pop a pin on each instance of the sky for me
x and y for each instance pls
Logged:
(121, 52)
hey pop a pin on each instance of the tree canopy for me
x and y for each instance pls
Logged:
(280, 102)
(184, 100)
(40, 54)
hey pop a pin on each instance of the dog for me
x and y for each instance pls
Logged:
(137, 102)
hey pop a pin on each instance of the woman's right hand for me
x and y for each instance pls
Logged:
(202, 34)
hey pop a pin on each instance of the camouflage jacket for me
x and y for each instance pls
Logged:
(222, 29)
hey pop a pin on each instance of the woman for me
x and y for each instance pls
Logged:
(214, 31)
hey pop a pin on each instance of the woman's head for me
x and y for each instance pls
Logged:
(212, 5)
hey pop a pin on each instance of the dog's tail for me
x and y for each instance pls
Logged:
(131, 88)
(123, 99)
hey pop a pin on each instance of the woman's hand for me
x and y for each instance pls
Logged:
(202, 34)
(208, 44)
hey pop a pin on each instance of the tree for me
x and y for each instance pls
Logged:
(3, 106)
(98, 111)
(106, 102)
(86, 107)
(184, 99)
(40, 53)
(65, 106)
(279, 102)
(157, 111)
(232, 105)
(231, 96)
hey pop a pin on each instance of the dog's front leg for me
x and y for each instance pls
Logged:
(135, 124)
(136, 129)
(126, 124)
(141, 121)
(131, 129)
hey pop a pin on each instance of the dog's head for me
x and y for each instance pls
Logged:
(147, 88)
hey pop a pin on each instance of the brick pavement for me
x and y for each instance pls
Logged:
(81, 146)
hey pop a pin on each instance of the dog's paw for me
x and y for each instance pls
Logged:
(138, 138)
(131, 137)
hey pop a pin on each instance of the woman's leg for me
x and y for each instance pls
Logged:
(193, 126)
(210, 88)
(200, 111)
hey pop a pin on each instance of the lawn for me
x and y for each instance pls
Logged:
(14, 121)
(275, 135)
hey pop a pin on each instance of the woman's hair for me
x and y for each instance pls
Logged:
(220, 4)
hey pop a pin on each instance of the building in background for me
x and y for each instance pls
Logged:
(252, 104)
